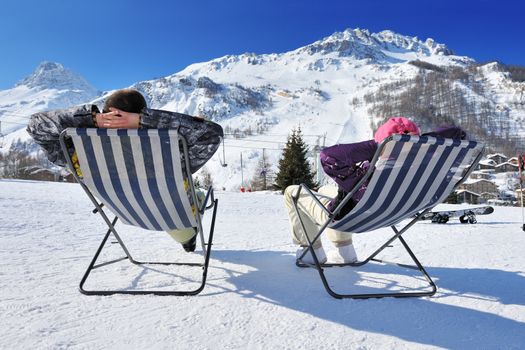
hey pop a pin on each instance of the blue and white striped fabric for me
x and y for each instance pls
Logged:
(412, 174)
(137, 174)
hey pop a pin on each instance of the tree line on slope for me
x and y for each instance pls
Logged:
(438, 95)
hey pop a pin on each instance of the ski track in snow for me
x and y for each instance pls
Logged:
(255, 297)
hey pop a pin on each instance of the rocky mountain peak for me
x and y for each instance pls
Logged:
(52, 75)
(361, 43)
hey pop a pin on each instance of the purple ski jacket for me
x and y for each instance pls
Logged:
(347, 163)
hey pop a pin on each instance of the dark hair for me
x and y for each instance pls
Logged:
(127, 100)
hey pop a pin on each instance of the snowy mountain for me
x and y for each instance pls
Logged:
(336, 89)
(50, 86)
(50, 75)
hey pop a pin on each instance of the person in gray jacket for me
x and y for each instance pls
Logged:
(127, 109)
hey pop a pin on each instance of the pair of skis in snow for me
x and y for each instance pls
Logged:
(469, 215)
(466, 216)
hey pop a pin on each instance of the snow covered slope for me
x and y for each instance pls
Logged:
(256, 298)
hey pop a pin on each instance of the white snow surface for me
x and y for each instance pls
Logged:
(255, 297)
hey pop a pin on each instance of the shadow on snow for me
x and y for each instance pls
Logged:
(277, 280)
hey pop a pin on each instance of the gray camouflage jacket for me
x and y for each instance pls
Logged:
(203, 136)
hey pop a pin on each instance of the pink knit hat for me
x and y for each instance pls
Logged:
(396, 125)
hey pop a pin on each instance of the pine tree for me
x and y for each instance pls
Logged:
(294, 168)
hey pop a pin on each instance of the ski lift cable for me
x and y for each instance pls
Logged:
(252, 140)
(265, 147)
(18, 119)
(17, 114)
(257, 148)
(263, 141)
(9, 122)
(232, 134)
(323, 135)
(317, 136)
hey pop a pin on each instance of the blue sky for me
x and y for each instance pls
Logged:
(116, 43)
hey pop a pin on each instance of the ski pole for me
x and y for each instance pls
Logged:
(521, 161)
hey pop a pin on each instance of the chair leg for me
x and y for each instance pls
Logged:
(372, 257)
(111, 230)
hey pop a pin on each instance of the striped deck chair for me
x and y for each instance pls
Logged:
(408, 176)
(140, 176)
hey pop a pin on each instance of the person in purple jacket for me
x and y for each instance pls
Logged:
(345, 164)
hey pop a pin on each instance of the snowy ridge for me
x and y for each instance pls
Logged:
(362, 44)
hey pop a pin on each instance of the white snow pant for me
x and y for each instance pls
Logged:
(185, 234)
(313, 216)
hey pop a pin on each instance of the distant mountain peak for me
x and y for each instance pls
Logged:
(361, 43)
(52, 75)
